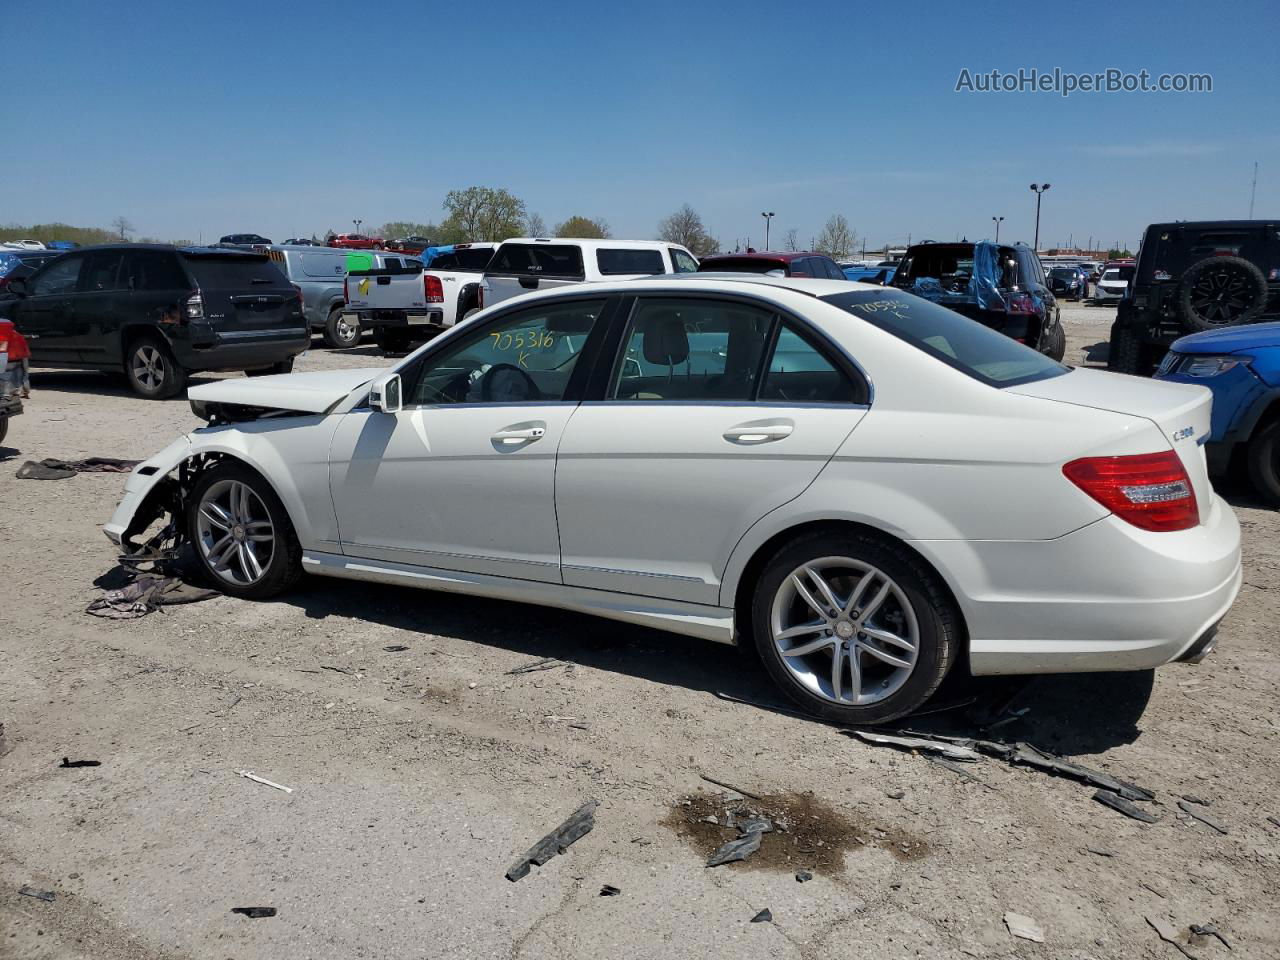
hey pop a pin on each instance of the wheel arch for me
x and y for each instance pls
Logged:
(131, 332)
(739, 588)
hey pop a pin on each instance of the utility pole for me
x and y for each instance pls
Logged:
(768, 218)
(1254, 189)
(997, 222)
(1038, 191)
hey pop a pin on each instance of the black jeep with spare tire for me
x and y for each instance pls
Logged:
(154, 313)
(1193, 276)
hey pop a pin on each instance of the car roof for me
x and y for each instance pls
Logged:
(780, 256)
(711, 282)
(593, 242)
(1211, 224)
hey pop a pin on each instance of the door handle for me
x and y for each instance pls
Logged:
(524, 435)
(750, 433)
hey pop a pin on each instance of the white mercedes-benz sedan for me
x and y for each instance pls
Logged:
(869, 489)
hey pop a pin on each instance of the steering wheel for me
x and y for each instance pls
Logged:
(507, 382)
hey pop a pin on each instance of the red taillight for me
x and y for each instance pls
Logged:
(1149, 490)
(346, 297)
(1021, 303)
(433, 287)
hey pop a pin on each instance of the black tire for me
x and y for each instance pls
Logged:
(285, 565)
(4, 427)
(1057, 348)
(284, 366)
(937, 620)
(391, 341)
(1221, 292)
(1263, 458)
(1125, 353)
(151, 369)
(338, 334)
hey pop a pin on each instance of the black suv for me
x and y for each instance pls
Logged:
(155, 312)
(1194, 276)
(1001, 286)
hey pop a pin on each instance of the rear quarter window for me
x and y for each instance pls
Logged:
(561, 261)
(623, 262)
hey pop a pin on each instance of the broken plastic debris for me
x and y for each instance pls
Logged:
(578, 825)
(738, 849)
(609, 890)
(396, 648)
(951, 751)
(66, 764)
(48, 896)
(1209, 930)
(1127, 807)
(256, 913)
(753, 825)
(1191, 811)
(270, 783)
(803, 876)
(1164, 929)
(1024, 927)
(764, 916)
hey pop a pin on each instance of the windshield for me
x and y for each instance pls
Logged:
(957, 341)
(1062, 273)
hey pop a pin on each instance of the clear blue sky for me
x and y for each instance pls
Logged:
(197, 119)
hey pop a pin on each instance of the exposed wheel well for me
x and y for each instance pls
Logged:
(1267, 417)
(755, 568)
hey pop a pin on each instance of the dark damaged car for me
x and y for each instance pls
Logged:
(156, 313)
(1001, 286)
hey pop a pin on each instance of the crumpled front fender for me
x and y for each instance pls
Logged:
(144, 487)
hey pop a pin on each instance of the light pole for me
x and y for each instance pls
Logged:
(1038, 190)
(357, 223)
(767, 218)
(997, 221)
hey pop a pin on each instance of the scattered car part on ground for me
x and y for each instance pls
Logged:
(609, 890)
(1209, 930)
(803, 876)
(764, 916)
(1124, 805)
(69, 764)
(1192, 810)
(1024, 927)
(1166, 932)
(1190, 277)
(739, 849)
(263, 780)
(255, 913)
(53, 469)
(146, 594)
(48, 896)
(857, 605)
(578, 825)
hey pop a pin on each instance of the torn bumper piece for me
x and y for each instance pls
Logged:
(145, 495)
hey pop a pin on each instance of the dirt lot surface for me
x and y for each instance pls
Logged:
(419, 776)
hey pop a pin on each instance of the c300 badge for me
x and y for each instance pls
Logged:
(1183, 433)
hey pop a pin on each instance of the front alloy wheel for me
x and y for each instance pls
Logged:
(242, 534)
(236, 537)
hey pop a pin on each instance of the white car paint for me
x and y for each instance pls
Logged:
(646, 512)
(1110, 288)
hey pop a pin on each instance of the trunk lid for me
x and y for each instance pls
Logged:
(1180, 411)
(244, 293)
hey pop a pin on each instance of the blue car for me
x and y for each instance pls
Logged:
(881, 275)
(1241, 365)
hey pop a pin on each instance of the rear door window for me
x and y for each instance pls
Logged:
(101, 272)
(799, 373)
(60, 278)
(558, 261)
(624, 262)
(800, 268)
(692, 350)
(321, 265)
(682, 262)
(154, 271)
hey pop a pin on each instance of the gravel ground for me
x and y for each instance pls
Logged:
(419, 776)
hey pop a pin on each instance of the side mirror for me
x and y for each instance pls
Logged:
(384, 395)
(18, 287)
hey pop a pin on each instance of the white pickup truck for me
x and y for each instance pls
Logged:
(538, 263)
(406, 306)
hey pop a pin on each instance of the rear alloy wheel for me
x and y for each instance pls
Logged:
(152, 371)
(1263, 457)
(242, 534)
(854, 629)
(1221, 292)
(341, 330)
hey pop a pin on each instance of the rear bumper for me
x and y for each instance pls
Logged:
(399, 319)
(1107, 597)
(242, 350)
